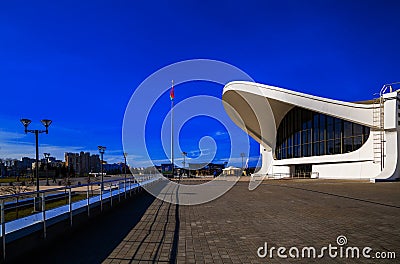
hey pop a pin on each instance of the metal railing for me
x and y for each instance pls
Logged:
(297, 175)
(24, 213)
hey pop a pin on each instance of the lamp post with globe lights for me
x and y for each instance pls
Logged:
(46, 157)
(46, 123)
(125, 155)
(102, 149)
(242, 155)
(184, 154)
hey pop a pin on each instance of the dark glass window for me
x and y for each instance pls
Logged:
(303, 133)
(357, 129)
(330, 146)
(338, 128)
(322, 127)
(347, 145)
(365, 133)
(347, 129)
(296, 151)
(357, 142)
(322, 147)
(329, 128)
(316, 148)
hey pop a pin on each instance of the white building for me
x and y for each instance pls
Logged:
(305, 135)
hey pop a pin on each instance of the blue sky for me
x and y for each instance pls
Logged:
(79, 62)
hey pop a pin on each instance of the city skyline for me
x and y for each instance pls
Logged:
(80, 66)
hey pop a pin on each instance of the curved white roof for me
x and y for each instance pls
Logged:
(262, 107)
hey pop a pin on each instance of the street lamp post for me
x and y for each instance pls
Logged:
(184, 161)
(102, 149)
(46, 123)
(46, 157)
(242, 155)
(125, 155)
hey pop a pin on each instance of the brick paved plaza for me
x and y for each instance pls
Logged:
(231, 229)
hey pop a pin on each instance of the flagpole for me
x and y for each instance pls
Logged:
(172, 132)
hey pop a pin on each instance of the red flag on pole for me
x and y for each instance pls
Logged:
(171, 93)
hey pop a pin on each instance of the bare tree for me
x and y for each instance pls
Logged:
(89, 181)
(66, 182)
(16, 189)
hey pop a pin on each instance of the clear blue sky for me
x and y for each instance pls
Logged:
(78, 62)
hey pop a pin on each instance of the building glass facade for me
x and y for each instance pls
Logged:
(304, 133)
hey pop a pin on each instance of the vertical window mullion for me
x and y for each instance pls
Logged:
(341, 138)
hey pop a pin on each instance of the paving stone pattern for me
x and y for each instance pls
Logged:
(297, 213)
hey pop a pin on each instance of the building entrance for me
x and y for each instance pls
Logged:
(302, 171)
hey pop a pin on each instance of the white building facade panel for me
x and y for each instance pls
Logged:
(262, 109)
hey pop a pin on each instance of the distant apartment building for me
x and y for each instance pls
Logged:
(52, 162)
(25, 166)
(206, 168)
(72, 161)
(94, 163)
(26, 163)
(82, 163)
(3, 169)
(84, 158)
(13, 167)
(114, 168)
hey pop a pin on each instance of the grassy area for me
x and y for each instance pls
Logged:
(28, 210)
(14, 179)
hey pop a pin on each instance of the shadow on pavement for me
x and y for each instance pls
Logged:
(94, 240)
(170, 218)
